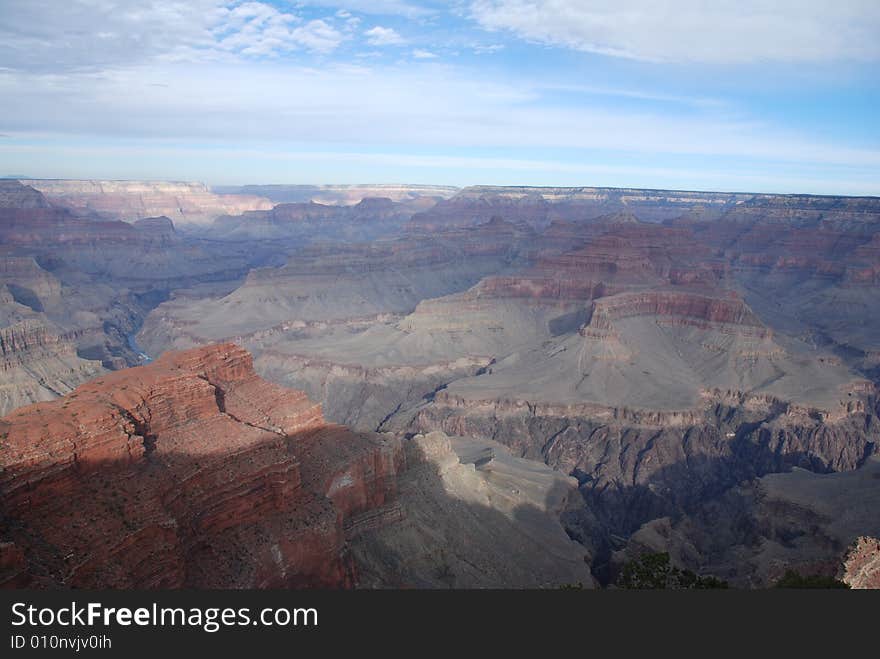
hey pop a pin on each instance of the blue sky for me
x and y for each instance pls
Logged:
(749, 95)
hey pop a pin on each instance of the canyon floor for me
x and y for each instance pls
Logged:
(507, 387)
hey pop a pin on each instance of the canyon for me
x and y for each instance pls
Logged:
(194, 472)
(585, 374)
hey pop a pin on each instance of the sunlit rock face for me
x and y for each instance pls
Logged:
(183, 202)
(191, 471)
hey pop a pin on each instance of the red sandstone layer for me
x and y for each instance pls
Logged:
(191, 471)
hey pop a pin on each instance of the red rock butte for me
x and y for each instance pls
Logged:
(188, 472)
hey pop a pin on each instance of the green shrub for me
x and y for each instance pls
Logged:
(794, 579)
(656, 572)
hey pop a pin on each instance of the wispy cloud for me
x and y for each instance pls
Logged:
(380, 7)
(417, 104)
(646, 95)
(383, 36)
(695, 30)
(487, 49)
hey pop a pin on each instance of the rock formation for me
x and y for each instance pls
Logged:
(184, 203)
(673, 352)
(861, 564)
(194, 472)
(341, 194)
(816, 524)
(462, 503)
(369, 219)
(541, 206)
(191, 471)
(38, 364)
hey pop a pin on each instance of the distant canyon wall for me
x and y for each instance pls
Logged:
(183, 202)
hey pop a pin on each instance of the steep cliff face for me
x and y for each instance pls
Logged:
(541, 206)
(473, 516)
(147, 253)
(807, 265)
(705, 311)
(15, 195)
(191, 471)
(464, 211)
(38, 364)
(183, 202)
(89, 281)
(369, 219)
(615, 256)
(866, 270)
(35, 227)
(634, 466)
(38, 358)
(28, 284)
(663, 399)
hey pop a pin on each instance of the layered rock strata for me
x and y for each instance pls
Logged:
(189, 472)
(183, 202)
(38, 364)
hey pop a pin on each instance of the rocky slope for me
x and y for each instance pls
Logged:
(661, 364)
(146, 254)
(369, 219)
(813, 523)
(671, 389)
(327, 283)
(87, 281)
(807, 265)
(191, 471)
(194, 472)
(325, 321)
(38, 364)
(463, 503)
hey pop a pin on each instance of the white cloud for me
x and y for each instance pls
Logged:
(383, 36)
(47, 35)
(44, 35)
(419, 53)
(377, 7)
(488, 49)
(722, 31)
(318, 36)
(411, 105)
(255, 28)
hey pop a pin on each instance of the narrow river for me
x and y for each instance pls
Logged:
(133, 344)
